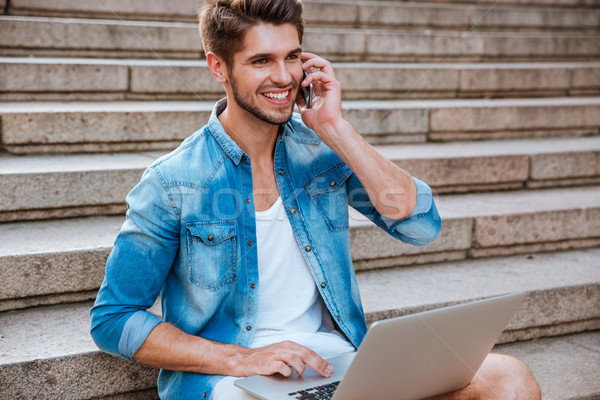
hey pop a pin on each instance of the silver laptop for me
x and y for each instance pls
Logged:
(405, 358)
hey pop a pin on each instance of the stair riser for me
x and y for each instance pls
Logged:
(82, 376)
(99, 39)
(89, 131)
(77, 81)
(393, 15)
(46, 194)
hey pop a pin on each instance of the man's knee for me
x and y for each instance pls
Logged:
(510, 376)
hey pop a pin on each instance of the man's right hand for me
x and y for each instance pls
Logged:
(170, 348)
(277, 358)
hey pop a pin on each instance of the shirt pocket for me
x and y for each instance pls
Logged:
(329, 195)
(212, 249)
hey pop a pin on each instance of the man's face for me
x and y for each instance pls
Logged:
(267, 72)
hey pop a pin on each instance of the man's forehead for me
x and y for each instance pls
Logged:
(266, 38)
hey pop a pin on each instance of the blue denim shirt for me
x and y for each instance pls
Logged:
(190, 235)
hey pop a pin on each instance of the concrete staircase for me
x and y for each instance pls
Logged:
(495, 103)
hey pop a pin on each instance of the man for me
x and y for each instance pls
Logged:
(243, 229)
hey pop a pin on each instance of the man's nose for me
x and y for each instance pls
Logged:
(281, 74)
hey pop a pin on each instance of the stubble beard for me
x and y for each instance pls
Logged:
(275, 118)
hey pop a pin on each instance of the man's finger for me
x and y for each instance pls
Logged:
(310, 60)
(285, 370)
(297, 364)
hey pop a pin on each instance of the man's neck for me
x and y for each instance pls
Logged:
(255, 137)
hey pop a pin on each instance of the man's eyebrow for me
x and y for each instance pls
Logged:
(258, 56)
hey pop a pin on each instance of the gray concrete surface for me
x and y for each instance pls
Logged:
(347, 13)
(123, 126)
(566, 368)
(85, 78)
(109, 38)
(563, 288)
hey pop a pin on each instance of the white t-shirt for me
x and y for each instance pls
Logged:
(290, 306)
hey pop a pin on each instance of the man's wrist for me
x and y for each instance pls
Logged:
(336, 134)
(232, 358)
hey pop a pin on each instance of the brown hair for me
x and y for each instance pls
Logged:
(223, 23)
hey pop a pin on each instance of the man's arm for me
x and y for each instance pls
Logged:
(391, 190)
(169, 348)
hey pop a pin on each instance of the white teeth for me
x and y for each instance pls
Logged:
(277, 96)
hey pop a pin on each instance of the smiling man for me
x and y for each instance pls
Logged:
(243, 229)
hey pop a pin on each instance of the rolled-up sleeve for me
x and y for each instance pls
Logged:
(136, 269)
(421, 227)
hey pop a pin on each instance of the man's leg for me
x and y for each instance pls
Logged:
(500, 377)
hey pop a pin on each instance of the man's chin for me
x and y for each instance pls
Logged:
(279, 118)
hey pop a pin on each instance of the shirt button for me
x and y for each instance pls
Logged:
(248, 201)
(249, 242)
(248, 328)
(308, 248)
(280, 172)
(293, 210)
(253, 286)
(204, 395)
(211, 238)
(323, 285)
(243, 158)
(338, 318)
(332, 183)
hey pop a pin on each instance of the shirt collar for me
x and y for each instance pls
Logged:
(228, 145)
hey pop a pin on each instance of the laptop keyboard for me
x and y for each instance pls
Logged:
(321, 392)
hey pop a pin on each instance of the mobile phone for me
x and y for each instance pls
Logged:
(307, 92)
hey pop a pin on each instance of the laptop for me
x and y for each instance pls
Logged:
(406, 358)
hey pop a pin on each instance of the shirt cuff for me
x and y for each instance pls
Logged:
(424, 201)
(136, 330)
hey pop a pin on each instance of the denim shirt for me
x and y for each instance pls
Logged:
(190, 236)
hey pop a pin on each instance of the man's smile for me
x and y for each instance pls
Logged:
(278, 95)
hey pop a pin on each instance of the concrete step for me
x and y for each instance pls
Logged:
(136, 126)
(563, 290)
(490, 224)
(45, 187)
(40, 36)
(47, 352)
(576, 355)
(49, 262)
(522, 3)
(35, 79)
(450, 16)
(343, 13)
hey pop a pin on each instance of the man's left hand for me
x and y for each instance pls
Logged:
(326, 111)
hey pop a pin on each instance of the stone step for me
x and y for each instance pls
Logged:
(53, 37)
(41, 127)
(49, 262)
(81, 79)
(576, 355)
(521, 3)
(45, 187)
(340, 13)
(47, 351)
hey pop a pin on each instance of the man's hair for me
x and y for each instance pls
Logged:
(223, 23)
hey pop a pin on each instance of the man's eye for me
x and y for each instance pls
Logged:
(260, 61)
(292, 57)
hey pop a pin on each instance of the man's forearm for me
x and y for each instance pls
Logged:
(392, 191)
(168, 347)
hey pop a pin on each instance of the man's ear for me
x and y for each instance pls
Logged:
(217, 67)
